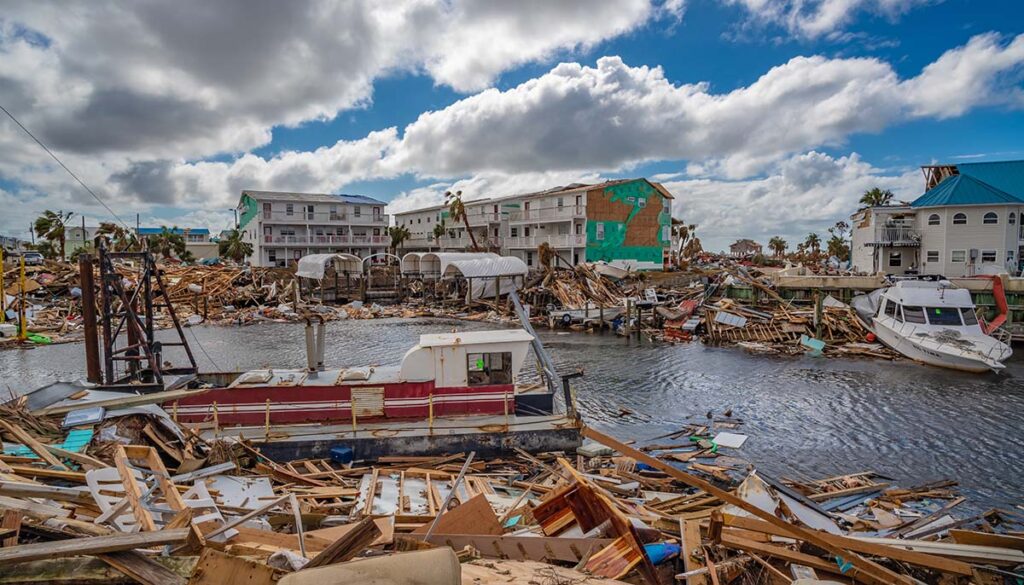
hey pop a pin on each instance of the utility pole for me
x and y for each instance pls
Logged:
(22, 325)
(3, 292)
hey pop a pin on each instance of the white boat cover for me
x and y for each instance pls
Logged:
(314, 265)
(436, 263)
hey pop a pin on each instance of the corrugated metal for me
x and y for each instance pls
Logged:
(965, 190)
(368, 402)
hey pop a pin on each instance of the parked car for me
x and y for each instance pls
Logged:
(33, 258)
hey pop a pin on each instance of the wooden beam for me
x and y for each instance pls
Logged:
(30, 442)
(878, 550)
(692, 545)
(11, 519)
(349, 545)
(141, 568)
(112, 403)
(90, 546)
(880, 573)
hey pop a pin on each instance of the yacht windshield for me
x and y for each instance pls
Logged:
(944, 316)
(969, 317)
(913, 314)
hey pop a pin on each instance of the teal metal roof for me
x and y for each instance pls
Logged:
(965, 190)
(1005, 175)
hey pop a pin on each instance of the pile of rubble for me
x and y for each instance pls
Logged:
(132, 496)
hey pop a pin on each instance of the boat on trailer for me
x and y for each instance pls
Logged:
(932, 322)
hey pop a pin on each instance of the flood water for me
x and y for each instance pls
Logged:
(806, 417)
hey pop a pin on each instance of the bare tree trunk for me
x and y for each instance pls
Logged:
(472, 238)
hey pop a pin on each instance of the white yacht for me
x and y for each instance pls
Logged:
(934, 323)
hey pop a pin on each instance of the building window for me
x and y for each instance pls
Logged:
(641, 202)
(428, 219)
(960, 219)
(958, 256)
(266, 209)
(579, 229)
(289, 209)
(988, 256)
(934, 219)
(357, 211)
(514, 232)
(933, 256)
(561, 202)
(529, 258)
(1012, 219)
(272, 255)
(1009, 256)
(488, 369)
(990, 218)
(599, 231)
(666, 234)
(526, 231)
(895, 259)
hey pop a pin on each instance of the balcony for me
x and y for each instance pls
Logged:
(476, 218)
(564, 213)
(895, 236)
(306, 217)
(555, 241)
(464, 243)
(352, 240)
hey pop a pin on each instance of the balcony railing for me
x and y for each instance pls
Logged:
(896, 236)
(563, 213)
(300, 216)
(556, 241)
(327, 240)
(477, 218)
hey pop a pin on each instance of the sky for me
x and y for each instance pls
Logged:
(762, 117)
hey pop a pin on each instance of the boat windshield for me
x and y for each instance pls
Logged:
(944, 316)
(914, 314)
(969, 317)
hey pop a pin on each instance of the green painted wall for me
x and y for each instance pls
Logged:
(252, 208)
(613, 247)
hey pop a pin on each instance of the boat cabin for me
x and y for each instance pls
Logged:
(444, 374)
(929, 303)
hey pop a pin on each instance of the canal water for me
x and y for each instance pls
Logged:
(806, 417)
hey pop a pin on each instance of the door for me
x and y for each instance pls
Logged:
(368, 402)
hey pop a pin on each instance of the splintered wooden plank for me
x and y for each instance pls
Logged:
(90, 546)
(132, 490)
(691, 548)
(30, 442)
(217, 568)
(877, 573)
(614, 560)
(141, 568)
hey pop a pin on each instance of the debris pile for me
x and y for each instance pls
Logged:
(127, 494)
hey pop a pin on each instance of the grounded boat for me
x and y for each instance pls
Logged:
(933, 323)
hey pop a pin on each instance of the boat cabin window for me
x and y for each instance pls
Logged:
(944, 316)
(486, 369)
(914, 314)
(969, 317)
(890, 309)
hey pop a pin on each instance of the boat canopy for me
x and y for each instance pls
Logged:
(486, 267)
(918, 293)
(435, 264)
(468, 358)
(314, 265)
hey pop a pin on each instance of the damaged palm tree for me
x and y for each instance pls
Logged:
(457, 210)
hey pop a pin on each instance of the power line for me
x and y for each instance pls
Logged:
(64, 166)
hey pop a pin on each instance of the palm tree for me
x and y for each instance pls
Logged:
(813, 243)
(117, 238)
(399, 234)
(876, 197)
(778, 246)
(169, 243)
(546, 256)
(458, 213)
(439, 230)
(50, 226)
(233, 247)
